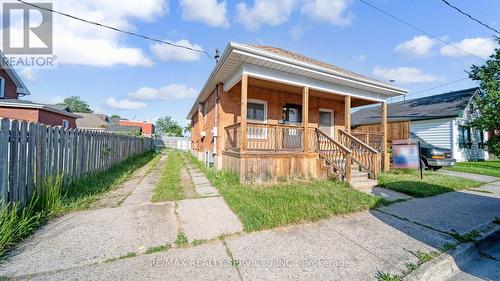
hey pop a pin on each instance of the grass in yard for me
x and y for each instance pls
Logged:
(56, 199)
(489, 168)
(409, 182)
(170, 185)
(264, 207)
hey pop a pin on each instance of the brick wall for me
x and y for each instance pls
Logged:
(10, 86)
(55, 119)
(28, 114)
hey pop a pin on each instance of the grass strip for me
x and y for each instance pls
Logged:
(169, 188)
(489, 168)
(269, 206)
(409, 182)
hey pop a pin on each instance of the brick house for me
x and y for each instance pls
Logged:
(146, 128)
(267, 113)
(12, 87)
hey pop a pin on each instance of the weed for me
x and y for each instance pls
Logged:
(156, 249)
(425, 257)
(447, 247)
(197, 242)
(384, 276)
(411, 266)
(126, 256)
(181, 240)
(469, 237)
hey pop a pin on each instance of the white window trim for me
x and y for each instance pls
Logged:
(332, 132)
(265, 110)
(2, 87)
(64, 122)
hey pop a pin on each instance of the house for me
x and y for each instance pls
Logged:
(441, 120)
(92, 121)
(267, 113)
(12, 87)
(147, 128)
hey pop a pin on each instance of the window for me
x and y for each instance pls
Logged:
(480, 138)
(293, 113)
(65, 123)
(464, 139)
(257, 110)
(2, 88)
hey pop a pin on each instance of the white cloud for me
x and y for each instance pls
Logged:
(170, 53)
(297, 32)
(264, 12)
(482, 47)
(125, 104)
(209, 12)
(170, 92)
(28, 73)
(79, 43)
(331, 11)
(418, 46)
(404, 75)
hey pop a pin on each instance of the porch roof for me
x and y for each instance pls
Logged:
(290, 68)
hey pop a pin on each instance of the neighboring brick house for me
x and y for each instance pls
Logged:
(12, 87)
(267, 113)
(147, 128)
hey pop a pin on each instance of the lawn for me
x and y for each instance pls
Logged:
(409, 182)
(269, 206)
(170, 188)
(489, 168)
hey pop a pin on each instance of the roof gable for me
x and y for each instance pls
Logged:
(21, 88)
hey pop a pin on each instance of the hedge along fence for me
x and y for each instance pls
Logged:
(30, 153)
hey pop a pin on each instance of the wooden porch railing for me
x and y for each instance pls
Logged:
(366, 156)
(266, 137)
(335, 154)
(373, 139)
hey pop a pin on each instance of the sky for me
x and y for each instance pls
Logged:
(143, 80)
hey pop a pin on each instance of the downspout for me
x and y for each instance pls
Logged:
(216, 123)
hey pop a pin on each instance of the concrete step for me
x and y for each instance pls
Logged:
(363, 183)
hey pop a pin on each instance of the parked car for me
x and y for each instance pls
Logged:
(433, 157)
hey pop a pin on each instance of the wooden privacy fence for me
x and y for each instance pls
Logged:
(31, 152)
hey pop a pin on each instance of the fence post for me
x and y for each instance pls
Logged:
(4, 156)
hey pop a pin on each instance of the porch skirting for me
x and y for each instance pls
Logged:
(271, 167)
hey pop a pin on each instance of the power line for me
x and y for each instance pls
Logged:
(116, 29)
(469, 16)
(435, 87)
(419, 29)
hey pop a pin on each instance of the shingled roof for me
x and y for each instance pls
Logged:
(302, 58)
(444, 105)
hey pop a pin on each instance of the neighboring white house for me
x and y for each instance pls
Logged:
(441, 120)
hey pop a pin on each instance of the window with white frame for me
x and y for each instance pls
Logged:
(256, 112)
(65, 123)
(2, 87)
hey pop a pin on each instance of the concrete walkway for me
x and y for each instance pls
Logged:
(470, 176)
(87, 237)
(207, 217)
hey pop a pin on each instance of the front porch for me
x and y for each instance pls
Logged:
(285, 131)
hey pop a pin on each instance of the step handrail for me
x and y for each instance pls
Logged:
(366, 156)
(336, 154)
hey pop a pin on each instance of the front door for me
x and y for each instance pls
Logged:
(326, 121)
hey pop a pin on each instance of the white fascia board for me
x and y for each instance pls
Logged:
(315, 84)
(233, 79)
(260, 54)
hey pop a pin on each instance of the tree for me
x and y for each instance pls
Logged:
(488, 76)
(187, 129)
(167, 126)
(116, 116)
(76, 104)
